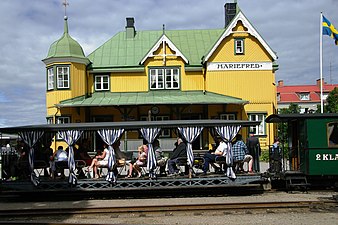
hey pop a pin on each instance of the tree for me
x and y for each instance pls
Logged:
(283, 127)
(332, 101)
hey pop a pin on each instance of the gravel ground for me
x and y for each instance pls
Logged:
(289, 218)
(315, 215)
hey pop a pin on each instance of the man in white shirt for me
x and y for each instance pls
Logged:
(211, 156)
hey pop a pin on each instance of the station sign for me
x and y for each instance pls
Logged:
(219, 66)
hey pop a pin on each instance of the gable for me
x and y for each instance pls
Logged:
(247, 28)
(159, 49)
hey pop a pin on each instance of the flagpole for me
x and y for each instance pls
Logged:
(321, 62)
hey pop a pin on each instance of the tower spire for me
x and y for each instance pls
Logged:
(65, 4)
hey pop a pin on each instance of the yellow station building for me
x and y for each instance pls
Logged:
(222, 73)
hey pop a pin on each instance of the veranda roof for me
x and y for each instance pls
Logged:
(128, 125)
(151, 98)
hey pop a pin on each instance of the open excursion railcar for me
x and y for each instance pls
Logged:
(312, 148)
(188, 129)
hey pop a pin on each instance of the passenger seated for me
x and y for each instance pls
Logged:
(241, 155)
(99, 161)
(119, 155)
(210, 157)
(59, 157)
(179, 152)
(160, 159)
(140, 161)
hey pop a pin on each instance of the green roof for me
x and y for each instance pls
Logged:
(66, 46)
(120, 51)
(150, 98)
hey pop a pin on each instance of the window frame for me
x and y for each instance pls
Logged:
(239, 49)
(259, 130)
(50, 79)
(331, 132)
(101, 82)
(164, 78)
(165, 133)
(304, 96)
(63, 81)
(58, 121)
(225, 116)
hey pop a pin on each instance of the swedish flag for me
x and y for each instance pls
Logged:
(328, 29)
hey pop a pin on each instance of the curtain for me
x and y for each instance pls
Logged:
(31, 138)
(190, 134)
(70, 137)
(228, 133)
(150, 134)
(110, 137)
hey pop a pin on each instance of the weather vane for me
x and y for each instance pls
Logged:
(65, 4)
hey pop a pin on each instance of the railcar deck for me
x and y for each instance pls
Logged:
(161, 184)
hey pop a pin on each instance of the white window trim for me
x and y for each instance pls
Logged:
(164, 132)
(261, 128)
(164, 80)
(239, 46)
(61, 120)
(304, 96)
(101, 82)
(227, 116)
(50, 79)
(61, 82)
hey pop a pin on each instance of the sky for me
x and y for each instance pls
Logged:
(28, 28)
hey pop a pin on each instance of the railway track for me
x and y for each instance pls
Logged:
(50, 215)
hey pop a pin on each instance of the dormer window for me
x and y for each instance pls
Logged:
(239, 46)
(304, 96)
(164, 78)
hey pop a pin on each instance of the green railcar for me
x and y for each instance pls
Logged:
(312, 143)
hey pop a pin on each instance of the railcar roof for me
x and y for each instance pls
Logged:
(128, 125)
(279, 118)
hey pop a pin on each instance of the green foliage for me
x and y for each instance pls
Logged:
(283, 127)
(264, 155)
(332, 101)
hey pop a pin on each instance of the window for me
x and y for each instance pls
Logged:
(164, 132)
(62, 120)
(164, 78)
(227, 116)
(332, 134)
(49, 120)
(278, 97)
(63, 77)
(304, 96)
(259, 129)
(50, 79)
(325, 96)
(101, 82)
(239, 46)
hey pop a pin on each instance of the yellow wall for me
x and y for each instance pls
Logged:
(77, 87)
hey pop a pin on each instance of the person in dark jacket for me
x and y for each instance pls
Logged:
(179, 152)
(254, 150)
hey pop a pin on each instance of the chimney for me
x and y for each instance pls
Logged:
(318, 82)
(280, 83)
(130, 28)
(230, 10)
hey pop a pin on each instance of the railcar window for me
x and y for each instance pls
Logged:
(332, 134)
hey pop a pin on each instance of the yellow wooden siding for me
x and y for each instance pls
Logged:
(254, 86)
(128, 82)
(78, 79)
